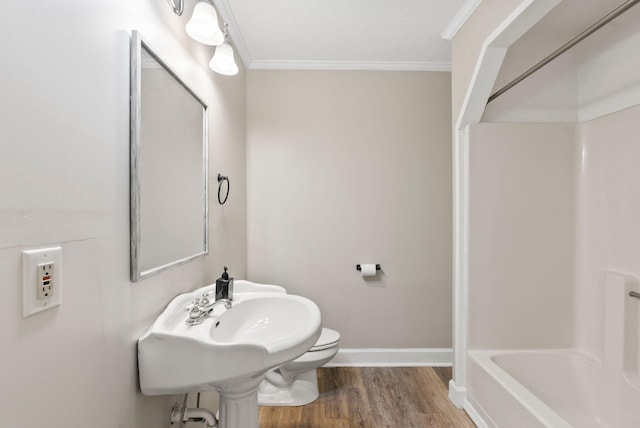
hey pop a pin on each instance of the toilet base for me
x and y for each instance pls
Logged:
(303, 390)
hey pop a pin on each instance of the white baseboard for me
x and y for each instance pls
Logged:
(388, 357)
(457, 394)
(479, 418)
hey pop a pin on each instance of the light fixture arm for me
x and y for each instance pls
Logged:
(177, 6)
(225, 31)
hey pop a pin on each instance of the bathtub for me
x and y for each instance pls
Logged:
(550, 388)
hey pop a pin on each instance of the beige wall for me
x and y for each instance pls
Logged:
(347, 168)
(521, 209)
(64, 179)
(467, 43)
(227, 156)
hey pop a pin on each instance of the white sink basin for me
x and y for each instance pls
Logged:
(271, 321)
(233, 347)
(242, 286)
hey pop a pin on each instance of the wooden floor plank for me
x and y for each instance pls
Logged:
(350, 397)
(445, 374)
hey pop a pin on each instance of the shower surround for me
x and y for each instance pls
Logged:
(555, 251)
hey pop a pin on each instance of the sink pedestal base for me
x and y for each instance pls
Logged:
(239, 407)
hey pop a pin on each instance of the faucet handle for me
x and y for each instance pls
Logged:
(193, 304)
(195, 312)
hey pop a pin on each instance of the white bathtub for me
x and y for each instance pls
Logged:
(550, 388)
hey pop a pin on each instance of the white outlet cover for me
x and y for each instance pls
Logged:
(30, 261)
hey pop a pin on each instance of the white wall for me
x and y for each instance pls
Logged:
(347, 168)
(64, 132)
(607, 217)
(521, 210)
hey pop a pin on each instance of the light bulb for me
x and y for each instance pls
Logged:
(223, 61)
(203, 25)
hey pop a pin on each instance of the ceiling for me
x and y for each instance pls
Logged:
(345, 34)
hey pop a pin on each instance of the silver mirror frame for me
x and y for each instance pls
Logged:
(137, 44)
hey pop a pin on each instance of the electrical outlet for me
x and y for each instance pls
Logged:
(41, 280)
(45, 280)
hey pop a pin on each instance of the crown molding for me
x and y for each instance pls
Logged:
(461, 17)
(350, 65)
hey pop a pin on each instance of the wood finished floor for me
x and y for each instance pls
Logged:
(403, 397)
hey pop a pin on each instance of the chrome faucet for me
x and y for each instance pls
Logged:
(201, 308)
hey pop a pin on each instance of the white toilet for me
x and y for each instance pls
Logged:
(295, 383)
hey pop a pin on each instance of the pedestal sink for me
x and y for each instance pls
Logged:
(230, 352)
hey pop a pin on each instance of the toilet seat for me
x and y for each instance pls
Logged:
(328, 339)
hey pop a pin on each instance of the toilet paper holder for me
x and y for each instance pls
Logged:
(377, 267)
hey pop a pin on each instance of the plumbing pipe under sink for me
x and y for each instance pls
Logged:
(181, 414)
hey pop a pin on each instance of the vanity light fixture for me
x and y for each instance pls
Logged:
(177, 6)
(223, 61)
(203, 25)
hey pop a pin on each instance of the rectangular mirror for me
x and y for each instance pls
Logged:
(169, 174)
